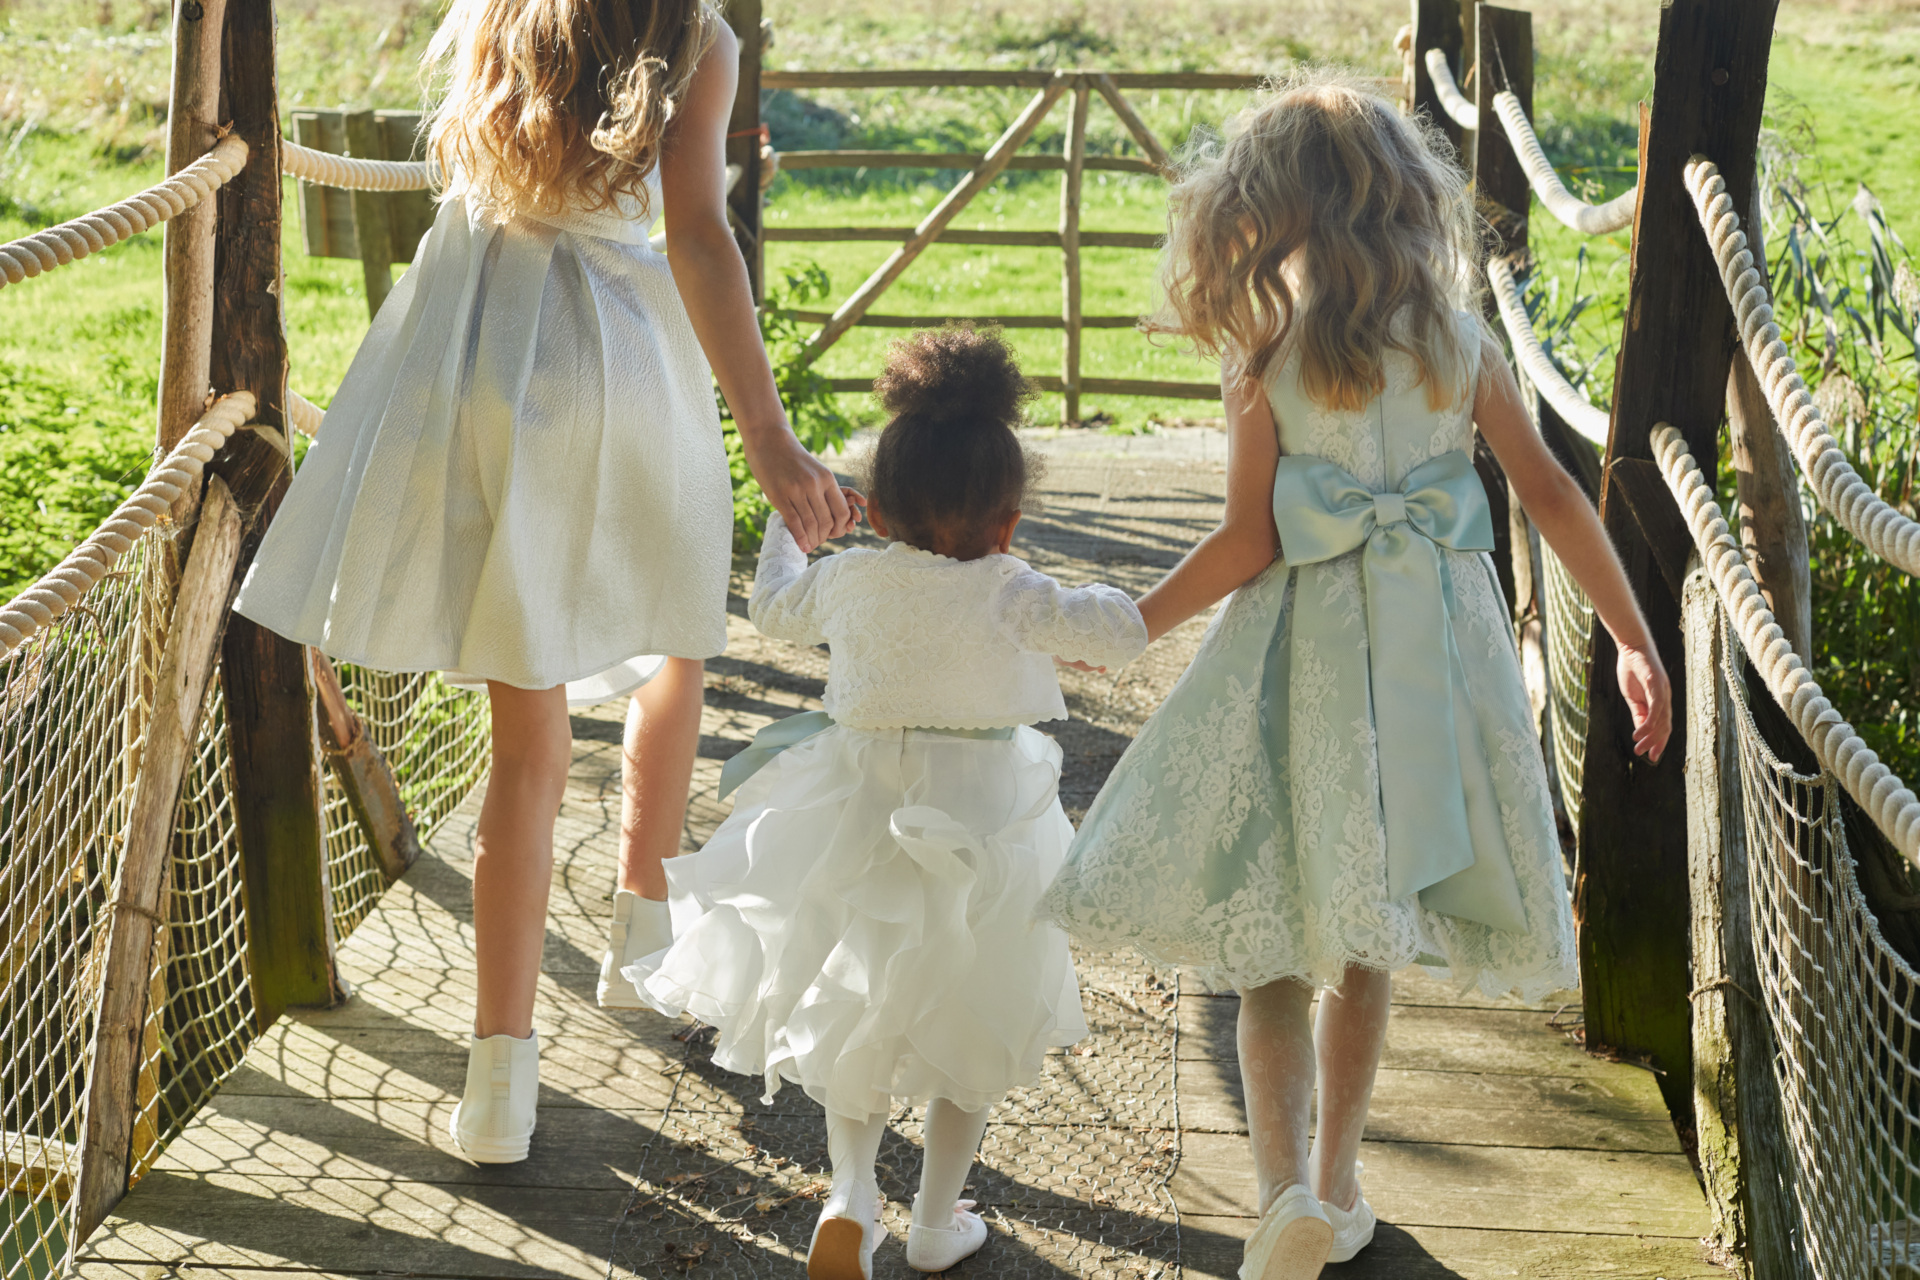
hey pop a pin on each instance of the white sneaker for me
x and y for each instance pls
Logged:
(937, 1248)
(1352, 1228)
(641, 927)
(844, 1238)
(494, 1122)
(1292, 1240)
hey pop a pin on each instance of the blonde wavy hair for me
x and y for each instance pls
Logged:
(556, 104)
(1327, 221)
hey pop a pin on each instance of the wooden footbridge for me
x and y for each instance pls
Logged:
(235, 912)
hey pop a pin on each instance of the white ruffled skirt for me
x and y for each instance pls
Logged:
(863, 924)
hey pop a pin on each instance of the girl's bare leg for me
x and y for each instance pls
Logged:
(1348, 1035)
(656, 772)
(513, 856)
(1276, 1071)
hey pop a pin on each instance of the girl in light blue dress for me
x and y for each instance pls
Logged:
(1347, 780)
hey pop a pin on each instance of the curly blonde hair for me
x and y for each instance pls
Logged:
(1330, 222)
(556, 104)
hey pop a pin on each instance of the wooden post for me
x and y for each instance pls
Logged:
(1504, 61)
(1156, 154)
(1773, 532)
(363, 774)
(276, 759)
(743, 143)
(134, 918)
(1710, 75)
(187, 328)
(1746, 1164)
(1076, 153)
(366, 140)
(1468, 77)
(1436, 25)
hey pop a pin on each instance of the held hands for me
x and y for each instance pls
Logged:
(1643, 683)
(804, 492)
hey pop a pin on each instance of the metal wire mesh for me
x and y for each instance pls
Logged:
(436, 740)
(1569, 627)
(1072, 1175)
(1842, 1004)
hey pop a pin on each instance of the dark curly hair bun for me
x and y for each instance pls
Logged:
(948, 471)
(958, 374)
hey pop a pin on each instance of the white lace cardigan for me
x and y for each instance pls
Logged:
(923, 640)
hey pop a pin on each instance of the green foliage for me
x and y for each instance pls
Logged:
(68, 456)
(811, 407)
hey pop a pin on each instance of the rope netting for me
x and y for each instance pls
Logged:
(1568, 618)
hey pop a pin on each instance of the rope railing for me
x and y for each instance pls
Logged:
(1841, 751)
(1585, 417)
(303, 414)
(62, 586)
(1861, 512)
(57, 246)
(1455, 103)
(330, 170)
(1571, 210)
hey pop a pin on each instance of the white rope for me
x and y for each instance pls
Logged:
(57, 246)
(1887, 800)
(1589, 219)
(1885, 532)
(1581, 414)
(61, 588)
(1452, 101)
(303, 414)
(330, 170)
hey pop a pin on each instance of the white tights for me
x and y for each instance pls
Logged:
(951, 1138)
(1280, 1056)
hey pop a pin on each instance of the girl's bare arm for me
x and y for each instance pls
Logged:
(713, 285)
(1568, 522)
(1246, 541)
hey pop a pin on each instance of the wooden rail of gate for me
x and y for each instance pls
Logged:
(1078, 87)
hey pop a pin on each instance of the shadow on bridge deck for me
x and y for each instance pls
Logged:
(1497, 1146)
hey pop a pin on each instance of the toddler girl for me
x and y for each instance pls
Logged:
(521, 480)
(1347, 779)
(862, 925)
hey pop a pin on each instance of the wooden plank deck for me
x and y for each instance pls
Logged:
(1497, 1148)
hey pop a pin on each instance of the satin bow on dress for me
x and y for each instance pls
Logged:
(1442, 816)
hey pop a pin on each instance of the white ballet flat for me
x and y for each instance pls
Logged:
(1292, 1240)
(937, 1248)
(1352, 1228)
(641, 927)
(844, 1238)
(494, 1122)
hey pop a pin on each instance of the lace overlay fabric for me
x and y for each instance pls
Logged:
(1243, 832)
(923, 640)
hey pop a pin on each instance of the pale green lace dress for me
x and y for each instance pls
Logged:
(1348, 773)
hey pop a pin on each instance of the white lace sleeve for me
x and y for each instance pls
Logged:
(1097, 624)
(786, 589)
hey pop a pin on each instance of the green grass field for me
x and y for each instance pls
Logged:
(82, 119)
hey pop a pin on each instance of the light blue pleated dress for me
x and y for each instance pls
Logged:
(1348, 772)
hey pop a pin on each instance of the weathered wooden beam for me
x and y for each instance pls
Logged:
(743, 144)
(1503, 61)
(797, 160)
(1436, 25)
(1710, 76)
(1088, 386)
(1076, 158)
(269, 705)
(1142, 135)
(135, 912)
(1746, 1163)
(363, 774)
(187, 325)
(1011, 239)
(372, 233)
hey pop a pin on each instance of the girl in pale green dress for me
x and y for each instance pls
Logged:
(1347, 780)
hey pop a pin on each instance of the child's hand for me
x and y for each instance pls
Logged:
(801, 489)
(1077, 665)
(1643, 683)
